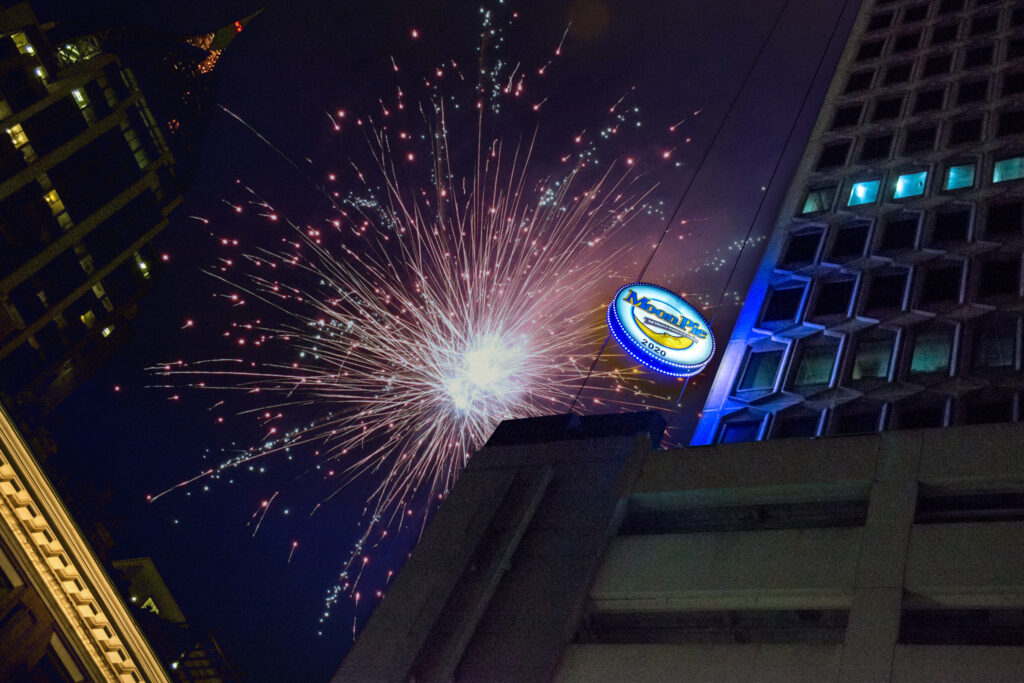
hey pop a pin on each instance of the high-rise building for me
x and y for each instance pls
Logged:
(889, 296)
(86, 183)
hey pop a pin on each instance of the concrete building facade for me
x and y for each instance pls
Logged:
(890, 293)
(571, 550)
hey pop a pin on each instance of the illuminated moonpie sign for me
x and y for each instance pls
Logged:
(661, 330)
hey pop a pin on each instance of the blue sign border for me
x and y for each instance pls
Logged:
(644, 357)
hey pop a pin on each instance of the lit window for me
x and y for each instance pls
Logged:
(874, 356)
(41, 72)
(21, 42)
(819, 199)
(143, 266)
(864, 192)
(54, 202)
(815, 366)
(739, 431)
(1008, 169)
(910, 185)
(107, 331)
(80, 99)
(17, 134)
(760, 370)
(931, 351)
(88, 319)
(960, 176)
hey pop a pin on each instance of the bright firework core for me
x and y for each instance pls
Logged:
(487, 371)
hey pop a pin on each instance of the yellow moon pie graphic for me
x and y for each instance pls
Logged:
(664, 333)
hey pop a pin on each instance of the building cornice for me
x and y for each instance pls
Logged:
(46, 543)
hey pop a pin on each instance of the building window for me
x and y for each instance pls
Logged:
(978, 56)
(859, 81)
(929, 101)
(887, 109)
(876, 147)
(857, 417)
(999, 277)
(915, 13)
(983, 25)
(788, 425)
(819, 199)
(995, 344)
(870, 50)
(898, 73)
(783, 303)
(986, 407)
(1008, 169)
(910, 185)
(944, 34)
(950, 6)
(833, 298)
(1015, 48)
(739, 431)
(17, 135)
(941, 284)
(834, 154)
(760, 370)
(960, 176)
(1004, 219)
(907, 42)
(967, 130)
(873, 358)
(922, 414)
(887, 290)
(972, 91)
(1011, 123)
(1013, 83)
(815, 363)
(802, 248)
(919, 140)
(846, 117)
(880, 20)
(899, 231)
(951, 225)
(864, 192)
(932, 350)
(849, 242)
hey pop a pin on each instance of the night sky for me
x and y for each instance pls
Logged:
(285, 74)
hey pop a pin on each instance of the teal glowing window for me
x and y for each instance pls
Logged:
(740, 431)
(910, 185)
(760, 371)
(864, 192)
(819, 199)
(931, 351)
(1008, 169)
(960, 176)
(873, 359)
(815, 366)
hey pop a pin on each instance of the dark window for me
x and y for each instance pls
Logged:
(1011, 122)
(1017, 18)
(899, 232)
(783, 304)
(880, 21)
(999, 277)
(915, 13)
(887, 109)
(802, 248)
(995, 344)
(939, 64)
(859, 81)
(873, 357)
(814, 366)
(886, 291)
(978, 56)
(968, 130)
(1013, 83)
(907, 42)
(947, 6)
(849, 242)
(819, 199)
(795, 426)
(986, 24)
(951, 226)
(847, 116)
(972, 91)
(834, 154)
(898, 73)
(1015, 48)
(923, 415)
(938, 506)
(943, 34)
(928, 101)
(857, 417)
(833, 298)
(739, 431)
(870, 50)
(992, 627)
(1003, 219)
(919, 140)
(876, 147)
(987, 409)
(760, 370)
(941, 284)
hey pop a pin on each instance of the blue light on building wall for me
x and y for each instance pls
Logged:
(864, 192)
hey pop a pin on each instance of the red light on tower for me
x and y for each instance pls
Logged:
(238, 27)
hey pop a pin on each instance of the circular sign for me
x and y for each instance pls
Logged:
(661, 329)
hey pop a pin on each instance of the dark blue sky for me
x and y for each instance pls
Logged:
(303, 58)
